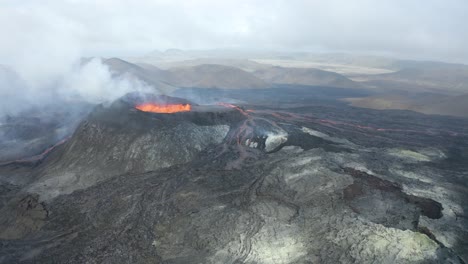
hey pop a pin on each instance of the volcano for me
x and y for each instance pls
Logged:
(120, 138)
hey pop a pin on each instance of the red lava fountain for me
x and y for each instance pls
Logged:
(164, 108)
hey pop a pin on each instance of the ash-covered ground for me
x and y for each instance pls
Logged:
(283, 176)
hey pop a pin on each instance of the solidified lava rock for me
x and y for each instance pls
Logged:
(385, 202)
(139, 187)
(22, 216)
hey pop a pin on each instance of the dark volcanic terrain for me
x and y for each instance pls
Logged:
(284, 175)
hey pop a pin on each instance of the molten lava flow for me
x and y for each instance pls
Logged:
(38, 157)
(163, 108)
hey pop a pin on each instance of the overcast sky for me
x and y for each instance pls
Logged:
(65, 29)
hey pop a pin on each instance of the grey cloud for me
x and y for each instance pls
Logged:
(431, 29)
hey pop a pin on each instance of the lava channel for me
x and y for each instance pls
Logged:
(164, 108)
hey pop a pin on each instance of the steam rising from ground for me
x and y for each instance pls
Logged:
(41, 61)
(94, 83)
(89, 81)
(46, 88)
(36, 113)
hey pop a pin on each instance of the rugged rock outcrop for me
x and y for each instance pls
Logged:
(22, 215)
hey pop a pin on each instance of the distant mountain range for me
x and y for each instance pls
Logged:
(427, 87)
(152, 76)
(227, 77)
(200, 76)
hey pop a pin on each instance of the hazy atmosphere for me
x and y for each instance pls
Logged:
(246, 131)
(42, 41)
(432, 29)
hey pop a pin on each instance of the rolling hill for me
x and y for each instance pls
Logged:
(305, 76)
(152, 76)
(444, 78)
(435, 104)
(214, 76)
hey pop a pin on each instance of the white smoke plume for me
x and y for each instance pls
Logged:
(46, 87)
(94, 83)
(90, 82)
(41, 63)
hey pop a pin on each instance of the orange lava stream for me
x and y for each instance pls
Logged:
(164, 108)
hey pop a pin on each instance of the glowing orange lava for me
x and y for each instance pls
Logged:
(163, 108)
